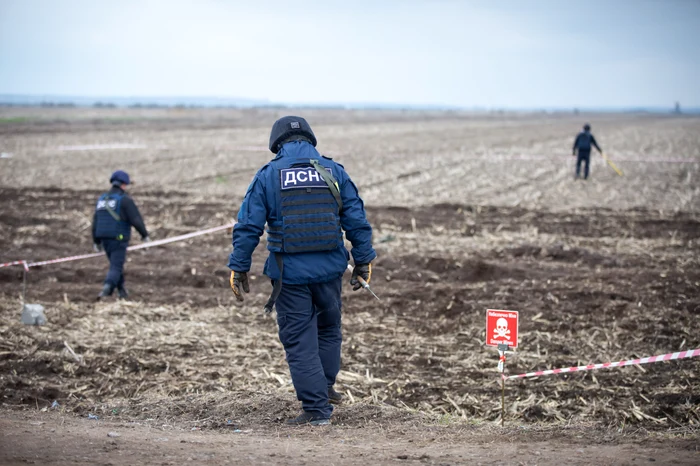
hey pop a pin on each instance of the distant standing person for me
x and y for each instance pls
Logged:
(115, 214)
(583, 144)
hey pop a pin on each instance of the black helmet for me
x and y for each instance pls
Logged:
(586, 127)
(289, 126)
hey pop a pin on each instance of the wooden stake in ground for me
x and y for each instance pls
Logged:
(24, 286)
(503, 399)
(502, 367)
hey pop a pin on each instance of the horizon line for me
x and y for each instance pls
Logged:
(203, 101)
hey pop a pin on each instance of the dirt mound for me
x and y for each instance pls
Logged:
(565, 253)
(436, 269)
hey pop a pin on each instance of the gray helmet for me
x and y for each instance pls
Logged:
(289, 126)
(586, 127)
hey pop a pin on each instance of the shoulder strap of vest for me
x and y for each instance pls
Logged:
(276, 286)
(330, 181)
(111, 211)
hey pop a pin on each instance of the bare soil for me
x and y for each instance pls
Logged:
(57, 439)
(470, 212)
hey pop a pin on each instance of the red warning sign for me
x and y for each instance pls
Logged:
(502, 328)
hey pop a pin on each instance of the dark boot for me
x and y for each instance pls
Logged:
(307, 418)
(123, 294)
(334, 397)
(107, 291)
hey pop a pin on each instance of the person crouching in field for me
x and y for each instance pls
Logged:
(307, 201)
(583, 144)
(114, 216)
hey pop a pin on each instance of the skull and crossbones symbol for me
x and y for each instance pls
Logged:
(501, 330)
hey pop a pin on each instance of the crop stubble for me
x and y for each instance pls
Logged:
(600, 271)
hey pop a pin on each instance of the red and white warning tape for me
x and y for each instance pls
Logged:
(180, 238)
(8, 264)
(65, 259)
(629, 362)
(131, 248)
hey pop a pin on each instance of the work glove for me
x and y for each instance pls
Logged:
(97, 247)
(360, 270)
(239, 281)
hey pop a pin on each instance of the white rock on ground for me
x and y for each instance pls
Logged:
(33, 314)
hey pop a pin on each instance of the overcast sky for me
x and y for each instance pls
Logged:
(492, 53)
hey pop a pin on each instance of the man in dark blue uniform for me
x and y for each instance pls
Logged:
(307, 202)
(583, 144)
(115, 214)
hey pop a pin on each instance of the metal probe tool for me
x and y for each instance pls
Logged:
(364, 284)
(612, 165)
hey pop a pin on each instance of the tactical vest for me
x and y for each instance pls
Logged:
(308, 218)
(584, 141)
(109, 224)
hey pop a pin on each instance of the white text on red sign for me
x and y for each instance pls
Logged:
(502, 328)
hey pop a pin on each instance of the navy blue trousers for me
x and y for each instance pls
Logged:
(309, 317)
(584, 156)
(116, 253)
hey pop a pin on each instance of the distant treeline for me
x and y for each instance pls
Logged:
(176, 106)
(50, 100)
(55, 101)
(231, 106)
(113, 105)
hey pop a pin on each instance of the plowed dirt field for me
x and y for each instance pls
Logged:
(470, 212)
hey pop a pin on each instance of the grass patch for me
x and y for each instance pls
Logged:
(10, 120)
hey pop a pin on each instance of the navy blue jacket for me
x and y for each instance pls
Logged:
(583, 142)
(261, 203)
(127, 211)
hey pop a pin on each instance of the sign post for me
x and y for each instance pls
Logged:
(502, 333)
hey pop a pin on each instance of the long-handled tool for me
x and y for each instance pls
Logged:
(364, 284)
(612, 165)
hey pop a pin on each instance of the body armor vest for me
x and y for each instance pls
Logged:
(308, 218)
(109, 224)
(584, 141)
